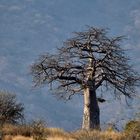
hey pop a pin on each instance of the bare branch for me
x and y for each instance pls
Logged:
(88, 56)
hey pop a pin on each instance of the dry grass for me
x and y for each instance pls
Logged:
(18, 133)
(9, 137)
(14, 130)
(60, 138)
(56, 134)
(97, 135)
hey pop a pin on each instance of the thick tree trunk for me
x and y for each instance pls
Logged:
(91, 116)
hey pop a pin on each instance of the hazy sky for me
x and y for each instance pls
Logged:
(29, 28)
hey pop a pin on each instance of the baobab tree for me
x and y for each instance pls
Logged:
(83, 64)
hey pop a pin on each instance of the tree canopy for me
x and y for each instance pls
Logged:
(70, 65)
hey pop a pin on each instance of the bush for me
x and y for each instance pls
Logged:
(132, 129)
(38, 130)
(10, 110)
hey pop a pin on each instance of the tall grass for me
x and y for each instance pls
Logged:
(27, 133)
(98, 135)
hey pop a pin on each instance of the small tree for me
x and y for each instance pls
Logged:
(85, 63)
(10, 110)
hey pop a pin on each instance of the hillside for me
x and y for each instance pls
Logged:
(38, 132)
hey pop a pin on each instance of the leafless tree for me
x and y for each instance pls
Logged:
(10, 110)
(83, 64)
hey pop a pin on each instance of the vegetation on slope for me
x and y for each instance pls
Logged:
(37, 131)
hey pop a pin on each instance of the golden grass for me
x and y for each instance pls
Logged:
(60, 138)
(8, 137)
(56, 134)
(14, 130)
(18, 133)
(98, 135)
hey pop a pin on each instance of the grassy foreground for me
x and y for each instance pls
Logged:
(39, 133)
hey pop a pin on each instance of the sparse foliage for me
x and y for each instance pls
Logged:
(38, 130)
(10, 110)
(83, 64)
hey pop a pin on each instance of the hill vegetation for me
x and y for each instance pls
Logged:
(38, 131)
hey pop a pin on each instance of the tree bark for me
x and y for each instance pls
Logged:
(91, 116)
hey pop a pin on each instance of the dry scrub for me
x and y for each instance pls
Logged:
(23, 133)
